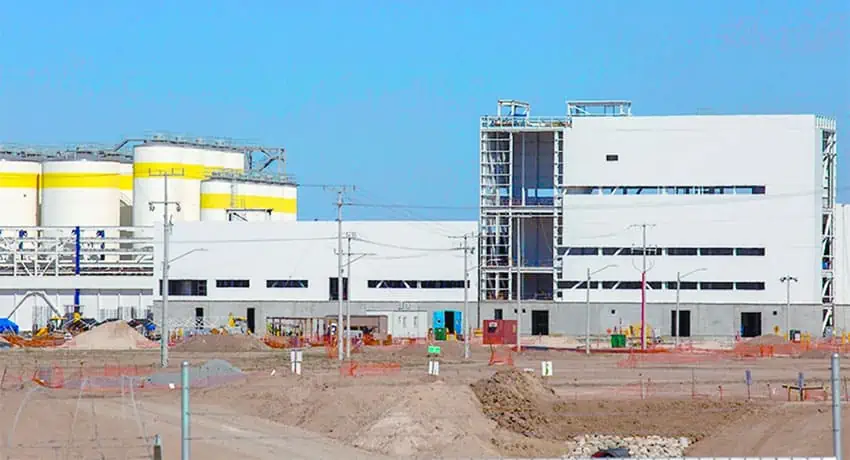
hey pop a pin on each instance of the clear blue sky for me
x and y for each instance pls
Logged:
(386, 95)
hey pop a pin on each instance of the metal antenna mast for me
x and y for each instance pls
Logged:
(643, 228)
(166, 232)
(340, 189)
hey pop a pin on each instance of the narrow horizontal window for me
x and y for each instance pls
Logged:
(232, 283)
(441, 284)
(629, 285)
(665, 189)
(655, 285)
(682, 251)
(749, 285)
(583, 285)
(749, 251)
(649, 251)
(567, 284)
(415, 284)
(582, 251)
(287, 283)
(685, 286)
(612, 157)
(716, 251)
(716, 285)
(611, 251)
(186, 287)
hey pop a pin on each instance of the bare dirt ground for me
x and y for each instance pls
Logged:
(470, 410)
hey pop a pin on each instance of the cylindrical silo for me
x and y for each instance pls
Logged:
(19, 193)
(86, 194)
(247, 200)
(126, 183)
(187, 166)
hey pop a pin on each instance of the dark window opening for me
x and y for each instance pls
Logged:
(333, 288)
(497, 314)
(232, 283)
(582, 251)
(716, 251)
(716, 285)
(682, 251)
(629, 285)
(686, 285)
(583, 285)
(654, 284)
(185, 287)
(750, 285)
(749, 251)
(287, 283)
(612, 157)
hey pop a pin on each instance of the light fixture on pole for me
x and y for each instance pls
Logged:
(787, 279)
(676, 321)
(587, 306)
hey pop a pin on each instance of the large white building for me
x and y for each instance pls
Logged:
(732, 204)
(735, 203)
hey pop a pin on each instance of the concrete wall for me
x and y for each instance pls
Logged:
(707, 320)
(778, 152)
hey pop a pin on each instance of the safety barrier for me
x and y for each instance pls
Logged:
(357, 369)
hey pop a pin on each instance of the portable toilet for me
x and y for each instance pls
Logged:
(450, 320)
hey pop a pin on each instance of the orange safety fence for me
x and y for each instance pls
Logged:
(357, 369)
(501, 356)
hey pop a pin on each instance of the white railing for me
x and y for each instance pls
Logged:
(495, 122)
(56, 251)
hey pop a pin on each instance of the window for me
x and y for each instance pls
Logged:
(716, 251)
(232, 283)
(610, 251)
(749, 285)
(497, 314)
(612, 157)
(441, 284)
(582, 251)
(333, 288)
(629, 285)
(749, 251)
(715, 285)
(649, 251)
(567, 284)
(583, 285)
(414, 284)
(287, 283)
(654, 284)
(186, 287)
(686, 285)
(682, 251)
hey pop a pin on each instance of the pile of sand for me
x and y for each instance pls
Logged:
(114, 335)
(519, 402)
(431, 421)
(769, 339)
(219, 342)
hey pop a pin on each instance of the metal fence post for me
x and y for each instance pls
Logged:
(836, 407)
(184, 413)
(157, 448)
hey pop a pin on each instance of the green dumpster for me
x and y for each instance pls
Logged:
(440, 333)
(618, 341)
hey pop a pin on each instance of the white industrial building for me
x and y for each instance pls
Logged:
(732, 203)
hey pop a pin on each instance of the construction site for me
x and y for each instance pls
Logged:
(162, 299)
(286, 394)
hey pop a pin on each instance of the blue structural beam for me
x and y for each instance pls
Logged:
(77, 246)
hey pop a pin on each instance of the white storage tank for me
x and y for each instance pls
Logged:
(19, 193)
(188, 166)
(126, 183)
(247, 200)
(405, 324)
(80, 193)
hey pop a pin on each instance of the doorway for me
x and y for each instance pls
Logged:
(249, 317)
(199, 317)
(682, 327)
(750, 324)
(450, 322)
(539, 322)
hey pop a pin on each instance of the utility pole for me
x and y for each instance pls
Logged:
(339, 191)
(587, 306)
(788, 279)
(519, 286)
(166, 232)
(676, 321)
(643, 228)
(466, 331)
(349, 236)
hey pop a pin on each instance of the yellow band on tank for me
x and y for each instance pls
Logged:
(80, 180)
(178, 170)
(226, 201)
(125, 182)
(18, 180)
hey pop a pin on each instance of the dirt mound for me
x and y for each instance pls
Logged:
(431, 421)
(518, 401)
(114, 335)
(219, 342)
(522, 403)
(769, 339)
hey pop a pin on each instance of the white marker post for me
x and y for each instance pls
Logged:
(546, 368)
(295, 359)
(433, 360)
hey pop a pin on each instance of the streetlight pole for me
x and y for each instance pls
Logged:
(787, 279)
(676, 321)
(587, 307)
(466, 351)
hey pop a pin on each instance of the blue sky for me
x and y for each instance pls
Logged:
(386, 95)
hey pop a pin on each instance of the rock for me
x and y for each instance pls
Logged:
(638, 446)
